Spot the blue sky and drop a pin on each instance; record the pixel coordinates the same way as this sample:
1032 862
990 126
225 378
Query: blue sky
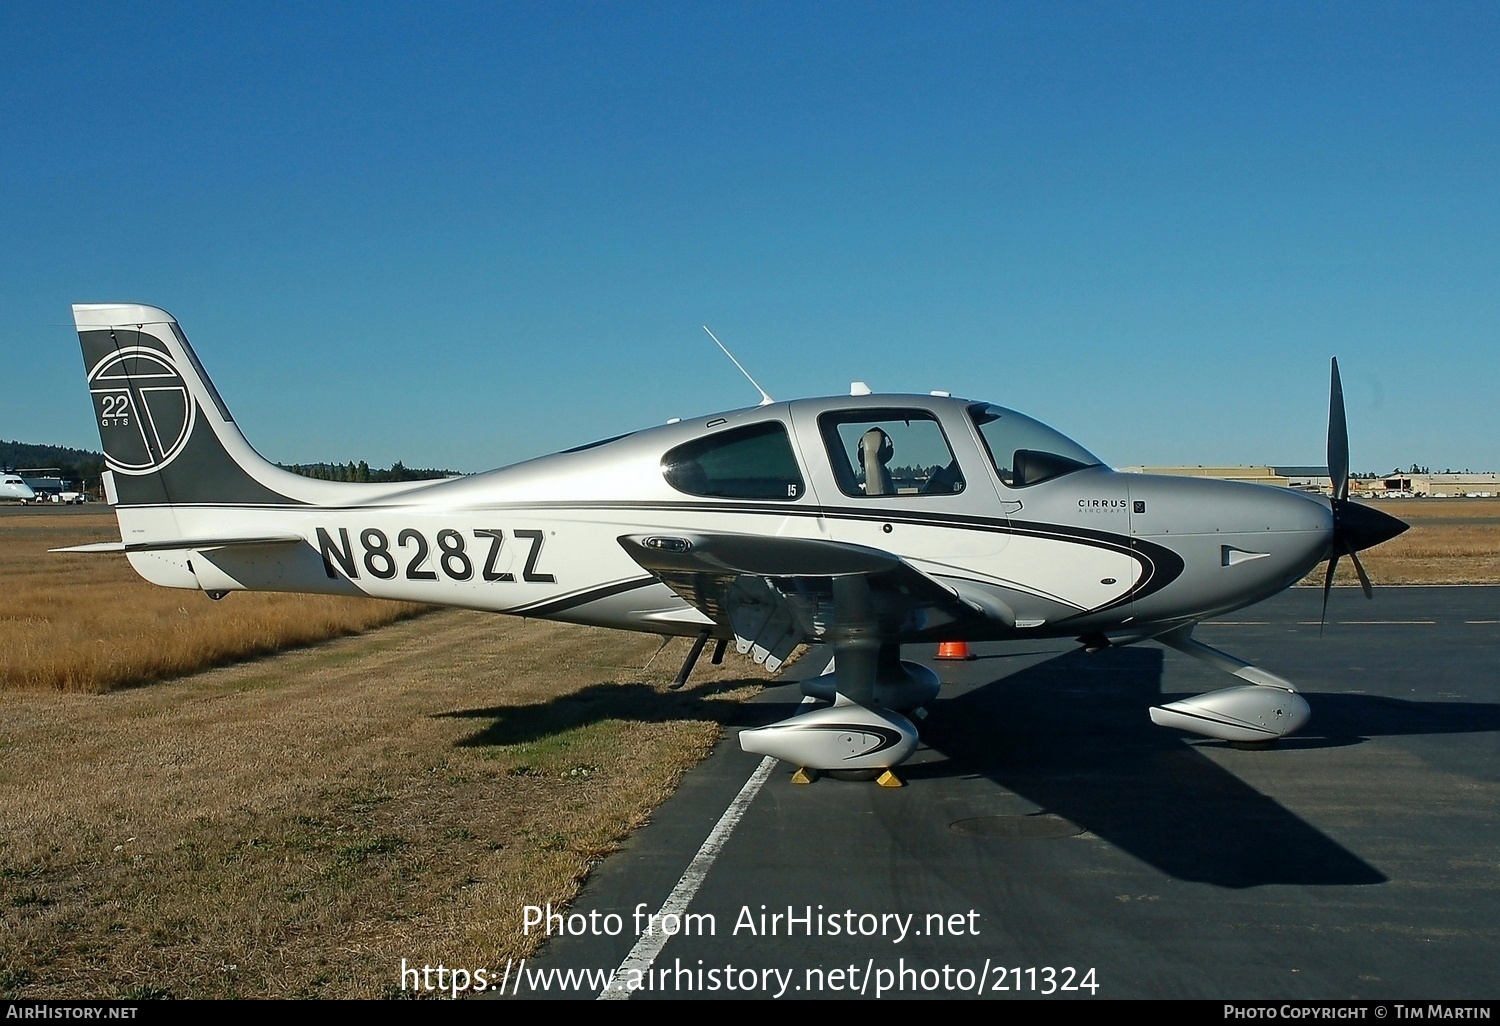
463 235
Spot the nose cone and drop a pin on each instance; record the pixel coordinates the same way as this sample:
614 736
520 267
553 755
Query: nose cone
1360 527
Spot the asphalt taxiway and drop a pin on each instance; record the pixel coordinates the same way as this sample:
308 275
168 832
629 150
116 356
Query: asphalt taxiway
1048 829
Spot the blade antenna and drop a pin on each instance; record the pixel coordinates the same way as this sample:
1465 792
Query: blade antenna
765 397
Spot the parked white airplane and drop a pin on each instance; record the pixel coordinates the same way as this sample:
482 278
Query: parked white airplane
13 486
861 522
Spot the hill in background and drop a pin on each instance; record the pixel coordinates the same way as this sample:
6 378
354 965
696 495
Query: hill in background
75 464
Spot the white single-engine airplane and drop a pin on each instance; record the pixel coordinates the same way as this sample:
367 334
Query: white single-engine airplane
862 522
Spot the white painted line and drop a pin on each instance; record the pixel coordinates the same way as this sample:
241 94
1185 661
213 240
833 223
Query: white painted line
1236 623
1369 623
649 944
1482 621
1383 587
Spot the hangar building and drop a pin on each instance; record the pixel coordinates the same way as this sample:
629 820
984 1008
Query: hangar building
1316 479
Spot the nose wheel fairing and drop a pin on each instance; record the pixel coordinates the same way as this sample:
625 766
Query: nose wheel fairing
1248 714
1263 710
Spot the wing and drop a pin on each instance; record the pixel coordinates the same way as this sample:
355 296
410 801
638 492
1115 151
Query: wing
776 593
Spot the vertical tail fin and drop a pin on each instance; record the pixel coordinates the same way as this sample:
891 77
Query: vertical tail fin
168 437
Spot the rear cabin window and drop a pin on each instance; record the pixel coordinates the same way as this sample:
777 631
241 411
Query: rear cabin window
754 462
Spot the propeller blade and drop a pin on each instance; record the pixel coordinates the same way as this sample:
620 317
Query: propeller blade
1333 562
1364 581
1355 527
1338 437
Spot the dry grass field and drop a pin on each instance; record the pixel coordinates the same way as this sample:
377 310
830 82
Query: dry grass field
1451 541
295 826
86 622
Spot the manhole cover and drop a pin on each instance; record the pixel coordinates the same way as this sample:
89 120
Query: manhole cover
1037 826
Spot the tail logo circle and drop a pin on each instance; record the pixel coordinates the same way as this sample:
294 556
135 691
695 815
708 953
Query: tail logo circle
145 409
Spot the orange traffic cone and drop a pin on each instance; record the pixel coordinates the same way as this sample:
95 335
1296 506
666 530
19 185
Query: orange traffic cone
954 650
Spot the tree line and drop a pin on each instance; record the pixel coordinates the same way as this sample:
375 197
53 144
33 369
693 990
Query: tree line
83 466
363 473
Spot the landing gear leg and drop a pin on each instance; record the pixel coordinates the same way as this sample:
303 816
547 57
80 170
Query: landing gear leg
692 659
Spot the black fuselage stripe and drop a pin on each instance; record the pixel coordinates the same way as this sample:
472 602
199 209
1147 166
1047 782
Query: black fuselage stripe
552 607
996 525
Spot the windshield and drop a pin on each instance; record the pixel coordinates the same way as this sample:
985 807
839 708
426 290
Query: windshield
1025 451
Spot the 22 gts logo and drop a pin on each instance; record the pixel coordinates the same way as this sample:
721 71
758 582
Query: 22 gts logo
383 561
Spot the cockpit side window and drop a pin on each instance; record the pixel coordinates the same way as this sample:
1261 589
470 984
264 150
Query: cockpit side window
1025 451
752 462
885 452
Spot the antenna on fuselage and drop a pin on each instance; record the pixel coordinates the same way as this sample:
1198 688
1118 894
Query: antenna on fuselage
765 397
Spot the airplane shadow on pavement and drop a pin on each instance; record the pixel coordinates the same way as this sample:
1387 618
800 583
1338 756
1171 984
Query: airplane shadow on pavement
1073 735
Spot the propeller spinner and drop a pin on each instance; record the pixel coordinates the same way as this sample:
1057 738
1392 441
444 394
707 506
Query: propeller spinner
1355 527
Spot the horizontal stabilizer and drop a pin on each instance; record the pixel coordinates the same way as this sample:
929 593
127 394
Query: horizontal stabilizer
182 543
